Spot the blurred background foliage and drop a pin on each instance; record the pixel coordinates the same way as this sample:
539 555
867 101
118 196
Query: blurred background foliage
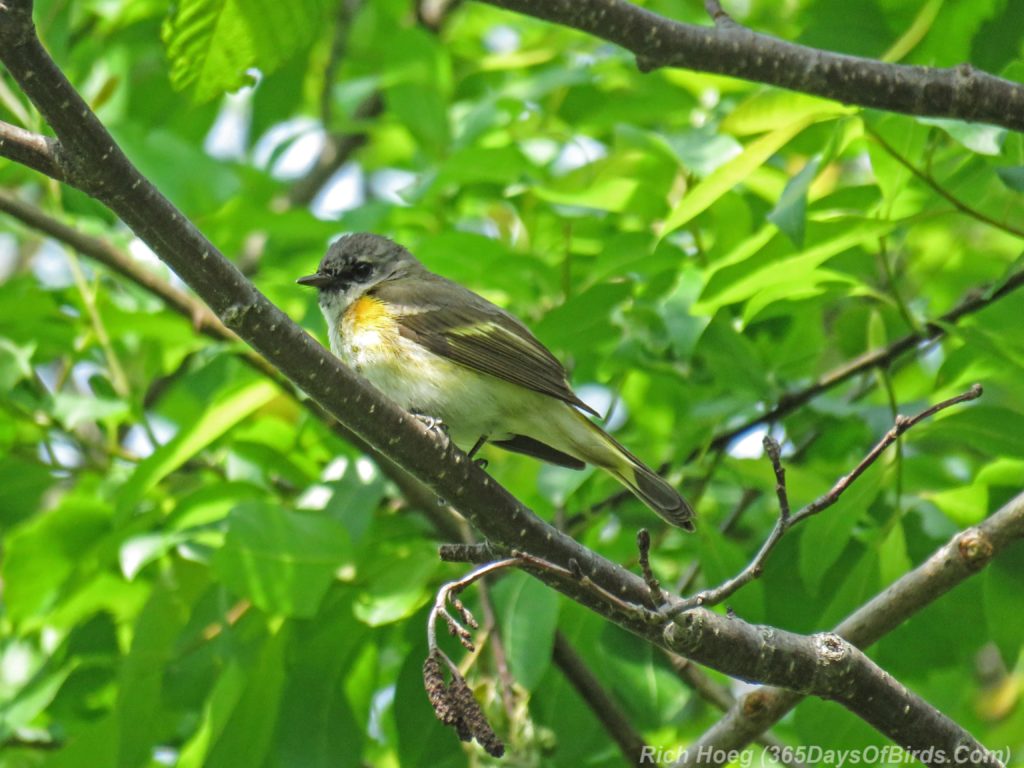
197 572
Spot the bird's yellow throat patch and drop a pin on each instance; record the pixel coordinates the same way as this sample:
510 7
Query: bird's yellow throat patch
368 314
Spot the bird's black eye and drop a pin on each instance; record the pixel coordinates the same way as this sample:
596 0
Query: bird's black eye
362 270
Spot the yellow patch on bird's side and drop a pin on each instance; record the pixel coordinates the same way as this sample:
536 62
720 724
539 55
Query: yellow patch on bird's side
367 313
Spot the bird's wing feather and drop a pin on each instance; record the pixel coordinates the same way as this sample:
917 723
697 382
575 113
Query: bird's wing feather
456 323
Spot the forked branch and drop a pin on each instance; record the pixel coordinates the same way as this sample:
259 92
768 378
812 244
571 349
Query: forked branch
786 520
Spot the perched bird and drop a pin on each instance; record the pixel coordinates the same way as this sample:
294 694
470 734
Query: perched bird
441 351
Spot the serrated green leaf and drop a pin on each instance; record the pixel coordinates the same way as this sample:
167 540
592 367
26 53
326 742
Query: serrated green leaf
212 44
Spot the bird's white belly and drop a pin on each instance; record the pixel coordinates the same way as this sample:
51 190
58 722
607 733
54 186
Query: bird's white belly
469 403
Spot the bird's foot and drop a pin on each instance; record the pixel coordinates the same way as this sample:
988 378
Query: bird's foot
433 423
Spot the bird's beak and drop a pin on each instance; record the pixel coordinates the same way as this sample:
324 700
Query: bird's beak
316 281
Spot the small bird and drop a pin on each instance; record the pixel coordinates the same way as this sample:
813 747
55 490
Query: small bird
443 352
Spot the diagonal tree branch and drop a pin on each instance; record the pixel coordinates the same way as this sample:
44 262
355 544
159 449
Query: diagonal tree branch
962 93
733 646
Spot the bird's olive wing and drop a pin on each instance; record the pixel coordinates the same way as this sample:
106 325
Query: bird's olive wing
457 324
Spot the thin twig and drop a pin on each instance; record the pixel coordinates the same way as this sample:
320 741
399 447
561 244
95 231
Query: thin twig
41 153
448 593
774 453
718 14
903 423
977 299
643 544
786 521
941 191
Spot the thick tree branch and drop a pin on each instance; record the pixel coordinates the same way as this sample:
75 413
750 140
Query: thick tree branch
962 93
724 643
964 555
829 667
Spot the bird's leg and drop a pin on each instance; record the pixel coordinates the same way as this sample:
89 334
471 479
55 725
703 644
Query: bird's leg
482 463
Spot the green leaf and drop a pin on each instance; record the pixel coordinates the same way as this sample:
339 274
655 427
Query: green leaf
1012 177
790 271
217 710
773 108
28 699
220 416
43 553
22 485
978 137
790 213
211 44
140 710
996 430
529 617
893 560
964 506
827 534
74 410
616 183
396 577
282 561
245 737
15 363
1003 585
853 589
728 175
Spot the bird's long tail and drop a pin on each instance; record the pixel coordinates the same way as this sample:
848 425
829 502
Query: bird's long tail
640 479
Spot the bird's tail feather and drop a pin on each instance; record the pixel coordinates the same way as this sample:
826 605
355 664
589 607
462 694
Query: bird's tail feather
642 481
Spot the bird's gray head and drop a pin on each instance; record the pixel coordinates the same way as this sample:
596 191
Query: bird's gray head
353 265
